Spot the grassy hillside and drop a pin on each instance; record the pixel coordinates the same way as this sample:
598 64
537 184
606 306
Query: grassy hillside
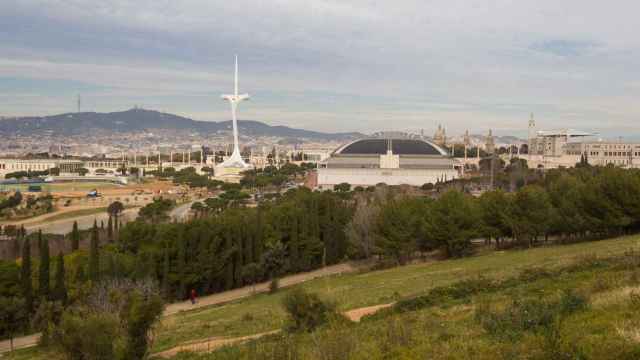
456 326
482 307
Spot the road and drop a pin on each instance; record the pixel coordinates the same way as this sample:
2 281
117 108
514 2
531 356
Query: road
215 299
64 226
181 212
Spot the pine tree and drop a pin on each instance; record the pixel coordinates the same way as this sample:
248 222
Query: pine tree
27 286
165 270
182 259
43 279
60 289
94 255
110 229
75 237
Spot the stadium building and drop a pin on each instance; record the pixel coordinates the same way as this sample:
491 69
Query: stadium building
393 161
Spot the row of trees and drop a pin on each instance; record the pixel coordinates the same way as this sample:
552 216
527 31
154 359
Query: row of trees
565 205
237 245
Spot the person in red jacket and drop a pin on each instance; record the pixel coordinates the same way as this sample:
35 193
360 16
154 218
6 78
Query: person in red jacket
193 296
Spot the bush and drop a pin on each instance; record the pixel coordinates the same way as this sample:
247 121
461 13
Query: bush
86 336
307 311
335 342
274 286
529 315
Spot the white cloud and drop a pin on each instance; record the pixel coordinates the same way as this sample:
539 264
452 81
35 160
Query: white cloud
343 65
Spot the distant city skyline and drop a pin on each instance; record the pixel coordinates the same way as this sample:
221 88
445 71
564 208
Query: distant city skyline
332 66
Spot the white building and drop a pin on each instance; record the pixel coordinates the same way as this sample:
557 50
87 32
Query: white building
17 165
566 147
393 161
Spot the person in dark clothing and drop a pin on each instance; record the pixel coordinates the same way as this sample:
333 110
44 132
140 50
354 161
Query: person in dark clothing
193 296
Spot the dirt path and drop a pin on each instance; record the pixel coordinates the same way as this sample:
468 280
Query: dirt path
210 344
357 314
240 293
215 343
215 299
44 217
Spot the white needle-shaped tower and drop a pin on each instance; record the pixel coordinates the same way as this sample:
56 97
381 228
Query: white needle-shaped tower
235 160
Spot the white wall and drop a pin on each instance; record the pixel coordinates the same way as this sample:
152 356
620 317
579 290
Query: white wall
328 177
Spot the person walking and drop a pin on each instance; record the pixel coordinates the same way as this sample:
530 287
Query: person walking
193 296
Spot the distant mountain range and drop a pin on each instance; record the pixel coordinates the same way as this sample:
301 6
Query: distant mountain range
138 120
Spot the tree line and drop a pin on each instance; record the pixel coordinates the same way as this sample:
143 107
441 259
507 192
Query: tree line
564 205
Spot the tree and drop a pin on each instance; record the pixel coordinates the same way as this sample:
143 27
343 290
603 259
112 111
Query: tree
112 322
115 209
110 228
452 223
60 287
398 228
342 187
94 254
43 278
9 279
12 317
251 273
495 214
142 311
531 213
25 276
197 208
82 171
360 230
75 237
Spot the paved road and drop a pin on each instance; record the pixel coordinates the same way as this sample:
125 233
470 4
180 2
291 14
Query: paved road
64 226
84 222
181 212
215 299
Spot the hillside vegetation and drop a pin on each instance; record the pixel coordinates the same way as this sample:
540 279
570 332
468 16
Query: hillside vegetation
568 302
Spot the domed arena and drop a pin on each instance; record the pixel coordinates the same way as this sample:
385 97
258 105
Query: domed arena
393 161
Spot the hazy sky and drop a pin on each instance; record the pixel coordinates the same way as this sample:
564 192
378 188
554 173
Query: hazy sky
332 65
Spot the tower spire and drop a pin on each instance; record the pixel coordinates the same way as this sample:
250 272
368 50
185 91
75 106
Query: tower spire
235 160
236 79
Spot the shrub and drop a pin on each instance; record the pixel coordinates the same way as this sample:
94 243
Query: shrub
274 285
335 342
534 274
634 300
529 315
86 336
571 302
307 311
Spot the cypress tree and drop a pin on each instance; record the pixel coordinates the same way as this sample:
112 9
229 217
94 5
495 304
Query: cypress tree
27 286
16 245
258 242
165 270
182 259
94 256
43 279
228 267
110 229
60 289
75 237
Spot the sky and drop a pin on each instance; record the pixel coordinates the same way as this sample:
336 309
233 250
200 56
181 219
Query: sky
332 65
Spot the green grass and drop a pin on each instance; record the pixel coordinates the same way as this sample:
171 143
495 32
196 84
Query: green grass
608 328
352 291
434 331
